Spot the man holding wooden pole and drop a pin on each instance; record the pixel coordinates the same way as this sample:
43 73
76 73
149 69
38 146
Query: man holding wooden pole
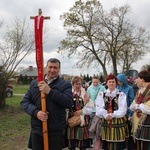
46 101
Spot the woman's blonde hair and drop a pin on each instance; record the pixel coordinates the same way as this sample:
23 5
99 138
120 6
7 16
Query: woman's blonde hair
76 79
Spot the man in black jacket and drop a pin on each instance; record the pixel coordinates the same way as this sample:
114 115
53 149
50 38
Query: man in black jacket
58 97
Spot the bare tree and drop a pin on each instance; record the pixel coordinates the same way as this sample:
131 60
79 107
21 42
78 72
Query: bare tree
81 38
146 67
98 37
17 43
127 42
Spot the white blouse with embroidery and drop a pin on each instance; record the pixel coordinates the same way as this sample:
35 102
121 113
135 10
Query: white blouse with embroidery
122 104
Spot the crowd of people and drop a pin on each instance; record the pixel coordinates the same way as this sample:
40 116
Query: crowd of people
113 115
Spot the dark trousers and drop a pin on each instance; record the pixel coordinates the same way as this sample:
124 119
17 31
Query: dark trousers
30 141
55 139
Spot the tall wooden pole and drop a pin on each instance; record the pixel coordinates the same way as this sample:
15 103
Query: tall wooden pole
38 26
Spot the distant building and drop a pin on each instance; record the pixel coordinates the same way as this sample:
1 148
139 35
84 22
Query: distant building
66 77
32 72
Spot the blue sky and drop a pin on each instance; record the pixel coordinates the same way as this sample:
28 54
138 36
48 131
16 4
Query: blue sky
26 8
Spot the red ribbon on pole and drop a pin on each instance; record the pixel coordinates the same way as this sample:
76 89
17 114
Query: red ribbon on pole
38 26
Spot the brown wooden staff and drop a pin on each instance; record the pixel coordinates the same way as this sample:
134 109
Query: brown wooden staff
38 26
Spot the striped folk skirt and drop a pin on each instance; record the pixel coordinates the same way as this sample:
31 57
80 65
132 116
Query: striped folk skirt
143 135
114 133
79 136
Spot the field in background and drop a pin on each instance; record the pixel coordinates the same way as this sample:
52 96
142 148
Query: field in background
14 122
20 89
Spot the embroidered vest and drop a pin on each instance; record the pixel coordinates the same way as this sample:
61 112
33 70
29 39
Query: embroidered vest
111 104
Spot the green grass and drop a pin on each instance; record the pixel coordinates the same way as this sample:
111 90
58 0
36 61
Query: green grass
14 101
14 123
20 89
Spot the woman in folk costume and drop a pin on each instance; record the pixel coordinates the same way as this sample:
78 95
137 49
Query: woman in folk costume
111 106
141 108
78 136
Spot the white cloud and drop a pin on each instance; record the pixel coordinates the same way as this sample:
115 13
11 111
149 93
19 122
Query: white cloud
26 8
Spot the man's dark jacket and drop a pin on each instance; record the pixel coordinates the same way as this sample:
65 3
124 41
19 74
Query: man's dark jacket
59 98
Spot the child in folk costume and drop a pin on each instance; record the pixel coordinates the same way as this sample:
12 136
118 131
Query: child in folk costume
141 116
111 106
78 136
